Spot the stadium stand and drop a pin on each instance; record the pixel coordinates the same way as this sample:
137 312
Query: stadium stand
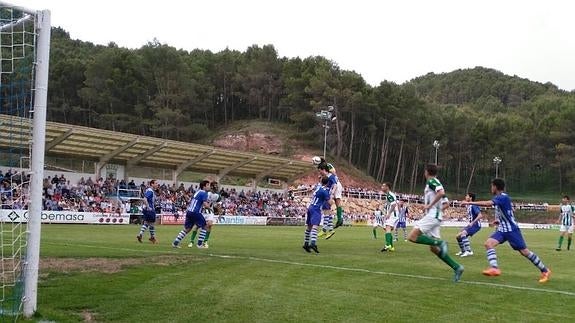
108 147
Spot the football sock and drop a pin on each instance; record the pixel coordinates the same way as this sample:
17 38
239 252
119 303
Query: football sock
339 213
388 239
460 243
395 234
324 228
492 258
202 237
423 239
466 244
569 243
152 230
560 242
404 234
375 233
330 223
193 236
313 237
448 260
207 236
536 261
306 236
180 237
143 228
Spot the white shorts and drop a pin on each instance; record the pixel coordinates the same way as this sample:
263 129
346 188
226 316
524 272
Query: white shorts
391 221
376 224
209 217
429 226
338 190
568 229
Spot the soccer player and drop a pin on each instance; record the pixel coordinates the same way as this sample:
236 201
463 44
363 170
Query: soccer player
336 191
391 218
566 219
507 230
194 215
427 229
474 214
149 212
208 213
402 214
328 229
377 221
320 196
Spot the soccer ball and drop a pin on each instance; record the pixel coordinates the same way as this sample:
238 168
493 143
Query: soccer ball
316 160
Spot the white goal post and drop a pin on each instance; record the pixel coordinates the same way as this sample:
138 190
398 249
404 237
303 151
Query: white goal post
36 25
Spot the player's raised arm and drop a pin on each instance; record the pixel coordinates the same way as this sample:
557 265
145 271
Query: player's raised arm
479 203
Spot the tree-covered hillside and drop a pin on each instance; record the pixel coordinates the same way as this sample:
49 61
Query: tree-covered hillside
386 130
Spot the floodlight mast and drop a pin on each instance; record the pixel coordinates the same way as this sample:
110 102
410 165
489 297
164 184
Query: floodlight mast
326 116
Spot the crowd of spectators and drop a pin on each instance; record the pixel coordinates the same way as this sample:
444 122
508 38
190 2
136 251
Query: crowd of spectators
119 196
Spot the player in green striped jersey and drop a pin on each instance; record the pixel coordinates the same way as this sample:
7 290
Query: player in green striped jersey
566 222
390 216
426 230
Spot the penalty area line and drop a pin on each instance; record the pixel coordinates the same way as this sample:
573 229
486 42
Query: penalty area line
362 270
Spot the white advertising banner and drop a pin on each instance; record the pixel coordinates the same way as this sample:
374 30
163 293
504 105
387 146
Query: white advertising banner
68 217
243 220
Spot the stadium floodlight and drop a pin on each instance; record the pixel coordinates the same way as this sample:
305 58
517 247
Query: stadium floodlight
326 116
25 43
436 145
497 160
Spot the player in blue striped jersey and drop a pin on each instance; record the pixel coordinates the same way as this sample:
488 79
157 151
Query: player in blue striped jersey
320 196
566 222
149 212
336 189
474 215
402 216
194 214
507 230
209 214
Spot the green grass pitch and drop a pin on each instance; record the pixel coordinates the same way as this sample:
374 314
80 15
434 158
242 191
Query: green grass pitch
261 274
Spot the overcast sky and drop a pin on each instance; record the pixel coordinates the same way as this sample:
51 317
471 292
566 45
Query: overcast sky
382 40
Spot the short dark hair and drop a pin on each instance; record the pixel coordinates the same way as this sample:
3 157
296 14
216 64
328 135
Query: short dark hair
323 166
566 197
388 184
431 169
472 196
499 184
203 184
152 182
324 180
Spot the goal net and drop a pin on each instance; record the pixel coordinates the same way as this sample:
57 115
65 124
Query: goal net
24 50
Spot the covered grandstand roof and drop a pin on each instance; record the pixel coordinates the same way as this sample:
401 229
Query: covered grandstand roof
106 146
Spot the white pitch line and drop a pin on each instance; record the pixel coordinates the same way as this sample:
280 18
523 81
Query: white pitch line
361 270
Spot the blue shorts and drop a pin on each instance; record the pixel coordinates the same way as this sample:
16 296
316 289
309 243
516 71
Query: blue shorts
194 218
514 237
313 217
472 229
149 216
400 225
